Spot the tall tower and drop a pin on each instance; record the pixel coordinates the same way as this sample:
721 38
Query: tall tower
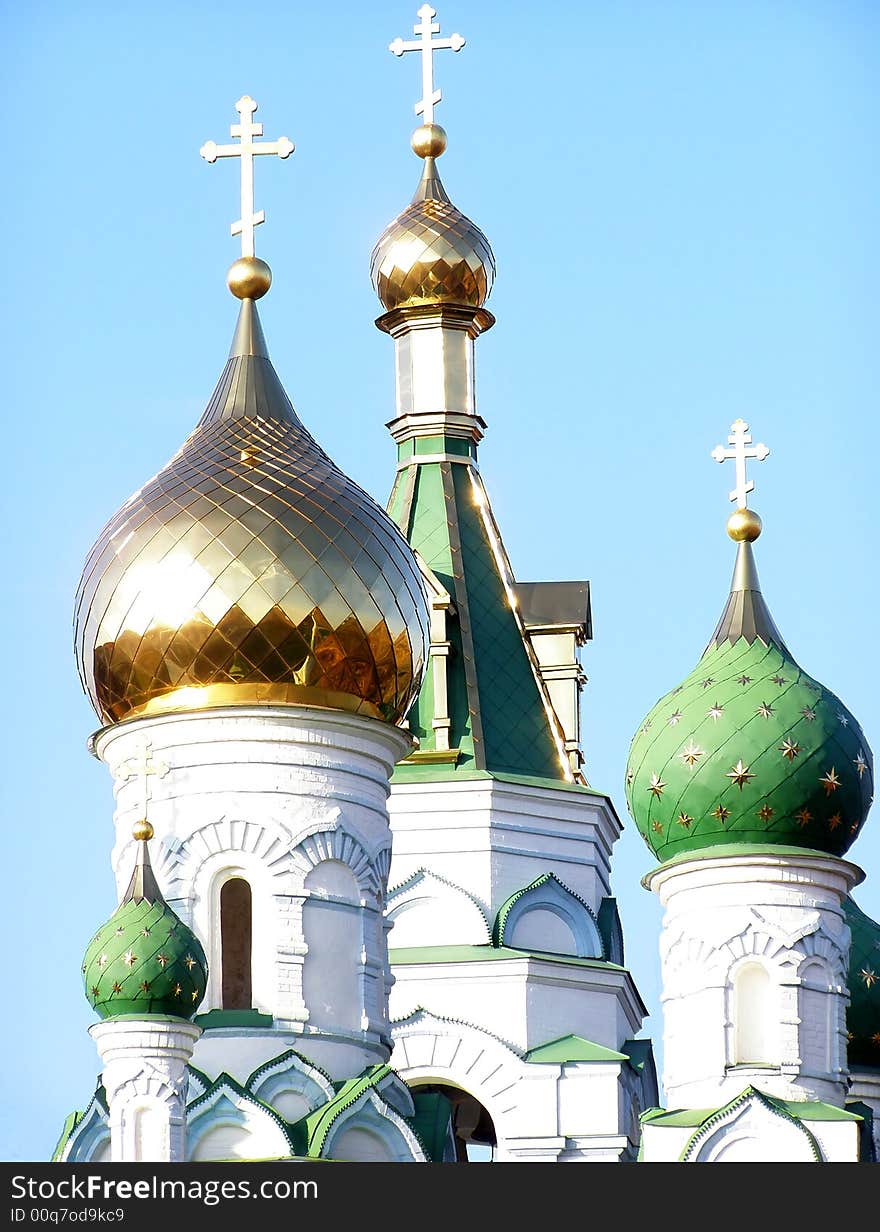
750 781
251 630
510 992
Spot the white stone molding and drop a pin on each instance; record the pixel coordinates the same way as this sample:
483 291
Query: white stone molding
752 1130
547 916
429 910
291 1085
145 1077
227 1122
371 1131
781 913
334 839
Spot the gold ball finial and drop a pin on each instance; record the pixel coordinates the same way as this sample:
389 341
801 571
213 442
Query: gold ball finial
429 141
249 278
744 525
142 830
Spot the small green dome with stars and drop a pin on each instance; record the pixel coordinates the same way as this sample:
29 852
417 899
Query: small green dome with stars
748 750
863 1014
144 960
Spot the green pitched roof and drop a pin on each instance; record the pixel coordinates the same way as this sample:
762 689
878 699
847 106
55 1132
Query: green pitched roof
572 1048
498 713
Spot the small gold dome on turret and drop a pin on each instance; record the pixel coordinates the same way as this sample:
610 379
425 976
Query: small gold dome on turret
432 253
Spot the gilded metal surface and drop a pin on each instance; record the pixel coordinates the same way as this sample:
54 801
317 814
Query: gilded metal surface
250 570
428 141
432 253
744 526
249 278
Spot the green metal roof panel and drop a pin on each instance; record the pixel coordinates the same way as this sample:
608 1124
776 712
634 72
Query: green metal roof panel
409 955
499 720
572 1048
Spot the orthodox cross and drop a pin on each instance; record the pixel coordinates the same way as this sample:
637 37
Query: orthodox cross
427 45
144 766
246 151
741 440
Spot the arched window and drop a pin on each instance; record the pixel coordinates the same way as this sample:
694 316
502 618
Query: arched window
754 1016
236 928
473 1131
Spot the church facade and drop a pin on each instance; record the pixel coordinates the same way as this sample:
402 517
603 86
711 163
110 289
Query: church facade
365 894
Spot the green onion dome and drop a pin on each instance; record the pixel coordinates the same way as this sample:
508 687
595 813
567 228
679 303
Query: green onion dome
144 960
748 750
863 1015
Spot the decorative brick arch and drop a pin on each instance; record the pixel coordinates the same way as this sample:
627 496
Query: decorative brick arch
429 1048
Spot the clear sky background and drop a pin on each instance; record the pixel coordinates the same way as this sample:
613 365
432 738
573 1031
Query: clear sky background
683 202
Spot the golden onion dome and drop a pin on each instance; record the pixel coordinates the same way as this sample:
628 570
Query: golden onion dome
250 569
432 253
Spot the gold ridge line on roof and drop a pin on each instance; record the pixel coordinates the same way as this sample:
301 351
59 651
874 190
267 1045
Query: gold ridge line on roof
250 569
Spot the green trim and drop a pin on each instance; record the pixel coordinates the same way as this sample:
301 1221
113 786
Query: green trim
70 1123
777 1106
286 1055
639 1052
410 955
806 1110
506 907
233 1018
224 1080
319 1123
430 1122
570 1048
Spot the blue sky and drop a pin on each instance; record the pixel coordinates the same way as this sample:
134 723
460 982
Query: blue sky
682 199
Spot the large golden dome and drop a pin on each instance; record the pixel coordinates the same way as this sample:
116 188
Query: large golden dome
250 570
432 253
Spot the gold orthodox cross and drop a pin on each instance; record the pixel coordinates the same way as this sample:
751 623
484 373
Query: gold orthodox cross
741 440
427 45
246 150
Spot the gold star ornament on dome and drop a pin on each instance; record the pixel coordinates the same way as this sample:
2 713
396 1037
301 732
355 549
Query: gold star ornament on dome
743 680
740 774
684 819
675 718
869 976
835 821
804 817
721 813
860 764
657 827
830 781
691 755
765 812
789 748
656 785
765 711
715 711
129 958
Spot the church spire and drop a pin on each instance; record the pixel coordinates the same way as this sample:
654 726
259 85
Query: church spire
485 706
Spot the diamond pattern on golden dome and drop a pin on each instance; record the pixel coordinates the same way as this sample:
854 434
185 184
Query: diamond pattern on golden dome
432 253
250 570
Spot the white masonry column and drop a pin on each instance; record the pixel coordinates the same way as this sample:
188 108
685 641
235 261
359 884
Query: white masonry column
146 1079
292 800
754 956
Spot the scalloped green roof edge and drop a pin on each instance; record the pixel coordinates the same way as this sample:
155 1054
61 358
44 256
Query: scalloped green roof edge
283 1056
74 1119
572 1048
689 1118
226 1080
506 907
778 1106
